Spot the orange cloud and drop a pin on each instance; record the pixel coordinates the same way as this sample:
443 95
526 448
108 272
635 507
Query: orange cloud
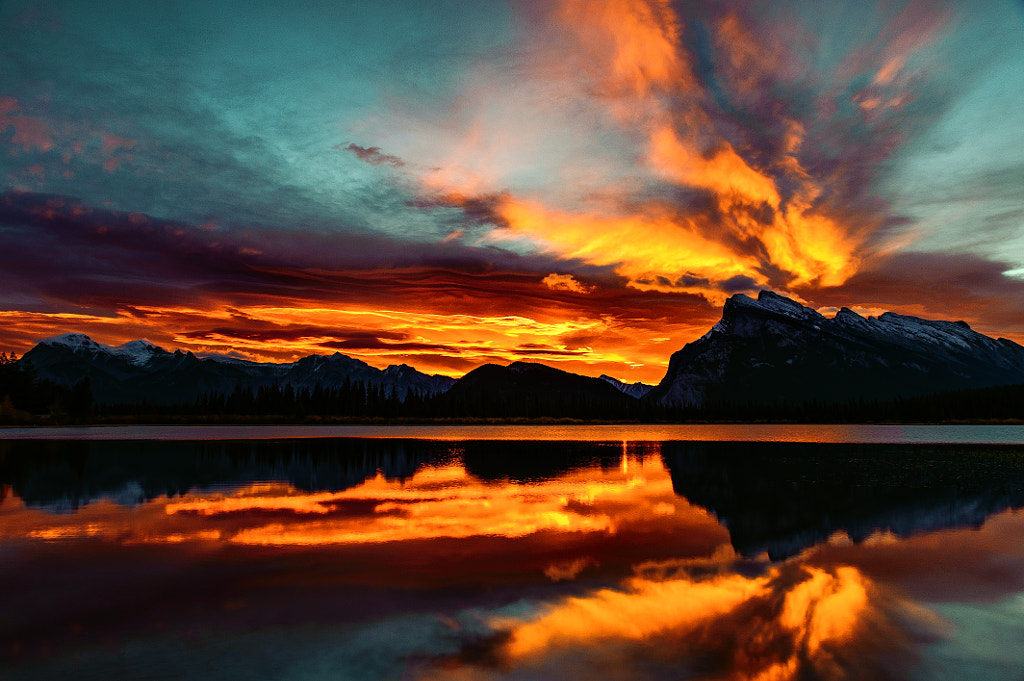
688 195
635 45
565 282
642 247
724 173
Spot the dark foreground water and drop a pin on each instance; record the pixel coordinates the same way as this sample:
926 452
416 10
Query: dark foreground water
472 559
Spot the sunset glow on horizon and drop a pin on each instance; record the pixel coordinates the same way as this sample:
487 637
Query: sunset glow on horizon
446 185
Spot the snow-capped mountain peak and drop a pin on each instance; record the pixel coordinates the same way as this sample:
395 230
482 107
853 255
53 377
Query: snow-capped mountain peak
75 342
136 352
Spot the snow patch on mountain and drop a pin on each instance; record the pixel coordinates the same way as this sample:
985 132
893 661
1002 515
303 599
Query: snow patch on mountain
636 390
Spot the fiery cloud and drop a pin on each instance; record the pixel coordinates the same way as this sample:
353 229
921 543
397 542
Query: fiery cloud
565 282
767 202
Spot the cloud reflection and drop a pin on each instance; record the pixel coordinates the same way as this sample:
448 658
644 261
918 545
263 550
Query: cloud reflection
787 621
445 502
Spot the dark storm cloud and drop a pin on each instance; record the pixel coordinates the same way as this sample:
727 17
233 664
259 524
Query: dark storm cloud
370 343
529 349
373 155
737 284
264 332
474 210
937 286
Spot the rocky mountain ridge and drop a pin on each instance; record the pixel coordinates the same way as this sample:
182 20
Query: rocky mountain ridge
773 349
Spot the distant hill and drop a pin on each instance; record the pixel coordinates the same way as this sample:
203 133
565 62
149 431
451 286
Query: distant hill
140 371
526 389
773 350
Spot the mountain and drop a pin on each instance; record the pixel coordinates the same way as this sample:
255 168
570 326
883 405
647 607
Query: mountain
774 350
636 390
140 371
527 389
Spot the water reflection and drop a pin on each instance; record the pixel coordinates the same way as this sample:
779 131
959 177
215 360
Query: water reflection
483 560
783 497
790 622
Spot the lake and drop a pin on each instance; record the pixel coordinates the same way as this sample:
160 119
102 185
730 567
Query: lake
608 552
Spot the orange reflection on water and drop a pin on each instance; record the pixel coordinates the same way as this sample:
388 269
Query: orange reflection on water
647 608
448 502
786 623
826 606
436 502
264 496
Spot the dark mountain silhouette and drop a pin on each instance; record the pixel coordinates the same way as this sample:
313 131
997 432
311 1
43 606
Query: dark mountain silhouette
774 350
526 389
140 371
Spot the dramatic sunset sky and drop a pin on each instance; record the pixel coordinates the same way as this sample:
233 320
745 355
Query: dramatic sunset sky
448 183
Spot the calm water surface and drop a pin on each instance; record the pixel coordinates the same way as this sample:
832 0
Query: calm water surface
290 557
972 434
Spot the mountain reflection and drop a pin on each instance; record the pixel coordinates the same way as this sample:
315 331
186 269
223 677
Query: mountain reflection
64 475
783 497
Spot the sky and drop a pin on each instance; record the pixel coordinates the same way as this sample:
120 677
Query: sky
443 184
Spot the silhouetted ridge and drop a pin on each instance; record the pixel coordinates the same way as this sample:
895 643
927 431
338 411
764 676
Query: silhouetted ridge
526 389
774 350
139 371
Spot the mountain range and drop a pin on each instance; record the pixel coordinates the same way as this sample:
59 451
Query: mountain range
140 371
768 350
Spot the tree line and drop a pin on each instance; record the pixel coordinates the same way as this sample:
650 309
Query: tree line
24 397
